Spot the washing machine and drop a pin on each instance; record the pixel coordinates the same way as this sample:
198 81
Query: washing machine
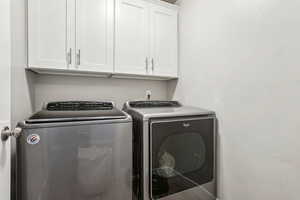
75 150
174 151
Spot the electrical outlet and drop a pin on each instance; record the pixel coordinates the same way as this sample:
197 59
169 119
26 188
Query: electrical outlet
148 94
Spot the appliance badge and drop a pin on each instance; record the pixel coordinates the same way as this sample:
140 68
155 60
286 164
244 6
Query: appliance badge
33 139
186 125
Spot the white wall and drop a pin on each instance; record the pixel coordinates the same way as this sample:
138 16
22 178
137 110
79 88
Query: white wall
4 96
242 59
5 52
53 88
22 81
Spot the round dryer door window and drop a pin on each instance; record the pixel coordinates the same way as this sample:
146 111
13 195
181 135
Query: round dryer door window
180 154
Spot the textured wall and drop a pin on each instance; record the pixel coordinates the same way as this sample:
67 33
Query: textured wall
52 88
241 58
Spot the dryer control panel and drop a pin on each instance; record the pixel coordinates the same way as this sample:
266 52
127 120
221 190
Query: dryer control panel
154 104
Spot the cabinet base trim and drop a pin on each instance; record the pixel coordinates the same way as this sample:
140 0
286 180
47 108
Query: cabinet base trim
71 72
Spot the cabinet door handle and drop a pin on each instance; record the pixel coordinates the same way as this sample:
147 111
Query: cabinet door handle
78 57
152 63
69 56
147 63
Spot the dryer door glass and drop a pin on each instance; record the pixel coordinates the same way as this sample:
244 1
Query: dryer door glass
182 155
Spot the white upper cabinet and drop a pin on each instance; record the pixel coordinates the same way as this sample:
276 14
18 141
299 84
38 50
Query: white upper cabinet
103 37
146 39
47 33
132 37
164 41
94 35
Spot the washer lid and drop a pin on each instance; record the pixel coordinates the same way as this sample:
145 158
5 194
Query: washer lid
165 110
76 111
79 105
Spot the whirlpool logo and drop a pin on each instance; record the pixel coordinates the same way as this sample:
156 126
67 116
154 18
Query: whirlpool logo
33 139
186 125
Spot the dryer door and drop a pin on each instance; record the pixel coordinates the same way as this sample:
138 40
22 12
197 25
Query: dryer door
182 154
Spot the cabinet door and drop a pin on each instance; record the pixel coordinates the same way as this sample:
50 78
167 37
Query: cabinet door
164 41
94 35
132 36
5 102
47 34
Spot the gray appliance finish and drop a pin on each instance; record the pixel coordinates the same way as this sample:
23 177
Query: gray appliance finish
174 151
83 154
